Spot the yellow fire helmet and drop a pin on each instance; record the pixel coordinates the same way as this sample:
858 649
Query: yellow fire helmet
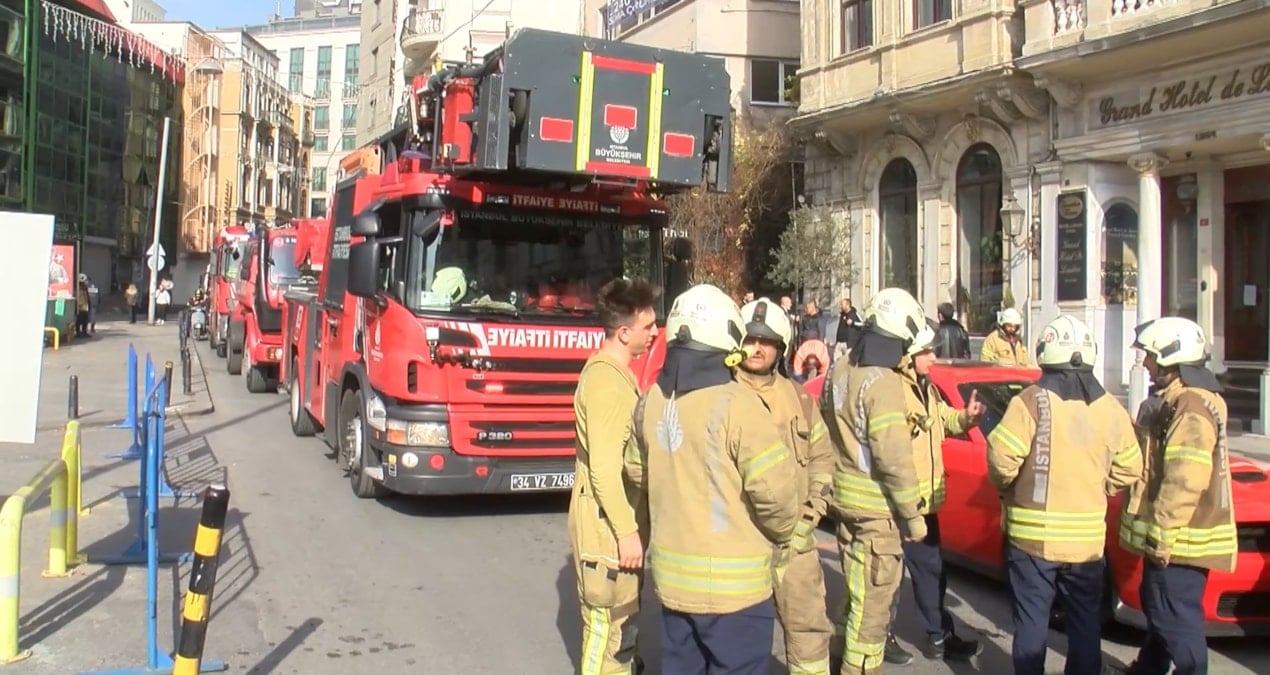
765 320
450 282
1066 341
705 318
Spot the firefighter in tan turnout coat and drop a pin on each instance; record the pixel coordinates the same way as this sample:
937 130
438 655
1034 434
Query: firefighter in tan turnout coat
1063 446
879 495
605 513
723 492
1180 519
800 594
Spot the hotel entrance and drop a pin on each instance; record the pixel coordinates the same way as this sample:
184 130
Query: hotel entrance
1247 274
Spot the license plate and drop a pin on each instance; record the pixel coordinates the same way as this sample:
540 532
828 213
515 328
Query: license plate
542 481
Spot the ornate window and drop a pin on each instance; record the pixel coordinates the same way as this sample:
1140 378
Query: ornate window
979 269
897 206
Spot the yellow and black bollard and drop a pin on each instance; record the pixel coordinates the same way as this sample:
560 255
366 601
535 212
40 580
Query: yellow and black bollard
194 616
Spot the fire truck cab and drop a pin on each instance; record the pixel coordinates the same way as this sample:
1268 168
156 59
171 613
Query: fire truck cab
254 339
227 255
441 348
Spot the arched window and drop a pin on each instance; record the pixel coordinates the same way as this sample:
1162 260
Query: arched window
897 204
979 216
1120 258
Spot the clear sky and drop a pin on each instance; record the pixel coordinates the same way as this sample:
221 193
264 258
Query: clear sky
211 14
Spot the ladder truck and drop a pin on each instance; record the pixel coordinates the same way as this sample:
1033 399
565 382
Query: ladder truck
440 350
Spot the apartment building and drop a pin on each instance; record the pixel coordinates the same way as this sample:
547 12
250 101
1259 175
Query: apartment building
320 58
263 165
759 41
128 13
404 39
1103 158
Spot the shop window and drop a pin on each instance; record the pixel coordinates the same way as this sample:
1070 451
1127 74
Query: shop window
897 204
1120 257
980 285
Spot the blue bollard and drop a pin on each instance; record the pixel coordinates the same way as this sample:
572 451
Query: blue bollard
156 661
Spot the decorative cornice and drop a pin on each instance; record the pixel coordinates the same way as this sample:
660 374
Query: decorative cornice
1147 163
1028 101
1001 110
844 145
1065 92
919 127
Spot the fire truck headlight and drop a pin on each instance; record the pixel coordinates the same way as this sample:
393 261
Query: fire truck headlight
418 434
376 415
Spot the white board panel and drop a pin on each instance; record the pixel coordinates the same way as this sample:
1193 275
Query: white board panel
26 244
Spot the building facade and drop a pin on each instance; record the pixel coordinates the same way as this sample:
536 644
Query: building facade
129 13
403 39
91 151
1102 158
263 163
759 41
320 58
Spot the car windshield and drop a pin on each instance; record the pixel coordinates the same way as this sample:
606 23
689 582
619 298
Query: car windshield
229 262
531 264
995 396
282 267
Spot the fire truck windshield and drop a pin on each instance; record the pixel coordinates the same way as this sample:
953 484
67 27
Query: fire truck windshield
229 262
282 267
540 266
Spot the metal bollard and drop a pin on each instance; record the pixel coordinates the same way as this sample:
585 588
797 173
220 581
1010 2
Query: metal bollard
187 378
167 390
72 399
197 608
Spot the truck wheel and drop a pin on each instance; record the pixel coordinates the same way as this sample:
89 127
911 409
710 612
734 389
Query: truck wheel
302 423
257 380
353 448
234 355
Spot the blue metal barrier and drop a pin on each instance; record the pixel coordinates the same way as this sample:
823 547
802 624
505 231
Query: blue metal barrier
130 422
139 431
156 662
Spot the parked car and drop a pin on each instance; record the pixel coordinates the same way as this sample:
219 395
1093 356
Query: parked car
1236 603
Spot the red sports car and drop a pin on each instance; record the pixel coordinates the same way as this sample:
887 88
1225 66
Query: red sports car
1237 603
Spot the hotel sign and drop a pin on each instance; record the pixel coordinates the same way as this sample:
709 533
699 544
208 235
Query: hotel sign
1181 95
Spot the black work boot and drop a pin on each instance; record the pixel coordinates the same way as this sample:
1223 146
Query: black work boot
952 648
895 654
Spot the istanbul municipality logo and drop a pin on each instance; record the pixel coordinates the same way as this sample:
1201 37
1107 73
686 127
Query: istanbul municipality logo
619 135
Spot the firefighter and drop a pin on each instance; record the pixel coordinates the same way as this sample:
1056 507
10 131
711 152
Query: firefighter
1063 446
800 594
1004 344
1180 518
604 512
877 494
723 495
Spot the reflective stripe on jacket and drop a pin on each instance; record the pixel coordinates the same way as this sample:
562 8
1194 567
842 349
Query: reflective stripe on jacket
804 432
1182 513
865 409
1055 462
929 420
722 493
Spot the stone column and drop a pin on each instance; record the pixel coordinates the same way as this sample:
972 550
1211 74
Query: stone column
932 248
1148 165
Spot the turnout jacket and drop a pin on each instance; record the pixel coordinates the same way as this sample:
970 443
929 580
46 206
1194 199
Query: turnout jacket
723 496
805 433
1182 513
865 409
1055 462
997 349
929 419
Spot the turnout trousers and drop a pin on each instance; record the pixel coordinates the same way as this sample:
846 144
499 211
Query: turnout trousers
872 567
1172 600
610 612
1034 583
800 606
739 643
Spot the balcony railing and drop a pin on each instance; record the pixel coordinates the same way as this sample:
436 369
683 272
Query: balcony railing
1127 7
421 32
1070 15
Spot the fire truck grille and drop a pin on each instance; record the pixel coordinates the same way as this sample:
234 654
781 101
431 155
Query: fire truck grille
523 435
1244 606
517 365
524 388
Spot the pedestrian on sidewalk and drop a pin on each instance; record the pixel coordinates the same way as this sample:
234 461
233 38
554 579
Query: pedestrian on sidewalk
94 301
132 298
81 307
162 299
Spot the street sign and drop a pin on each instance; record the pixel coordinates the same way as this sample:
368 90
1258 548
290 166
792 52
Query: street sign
150 263
150 251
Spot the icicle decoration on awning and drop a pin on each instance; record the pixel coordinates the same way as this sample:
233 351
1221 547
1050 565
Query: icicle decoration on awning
93 34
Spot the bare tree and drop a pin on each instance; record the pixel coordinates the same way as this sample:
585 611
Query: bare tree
815 252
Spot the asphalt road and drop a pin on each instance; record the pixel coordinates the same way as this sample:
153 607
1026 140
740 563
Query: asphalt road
315 581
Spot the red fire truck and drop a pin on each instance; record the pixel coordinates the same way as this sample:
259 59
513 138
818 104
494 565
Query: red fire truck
227 252
441 348
270 267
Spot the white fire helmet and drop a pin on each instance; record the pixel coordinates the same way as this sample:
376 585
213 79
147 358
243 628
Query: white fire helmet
766 320
1009 317
1173 340
894 312
704 317
1066 341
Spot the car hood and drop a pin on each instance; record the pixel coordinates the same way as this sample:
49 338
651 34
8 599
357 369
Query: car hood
1250 488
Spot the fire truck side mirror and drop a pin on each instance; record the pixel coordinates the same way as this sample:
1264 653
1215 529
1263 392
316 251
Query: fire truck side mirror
366 224
363 269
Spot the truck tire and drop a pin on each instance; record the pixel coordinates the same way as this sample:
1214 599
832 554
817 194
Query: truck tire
302 423
257 380
354 450
234 354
